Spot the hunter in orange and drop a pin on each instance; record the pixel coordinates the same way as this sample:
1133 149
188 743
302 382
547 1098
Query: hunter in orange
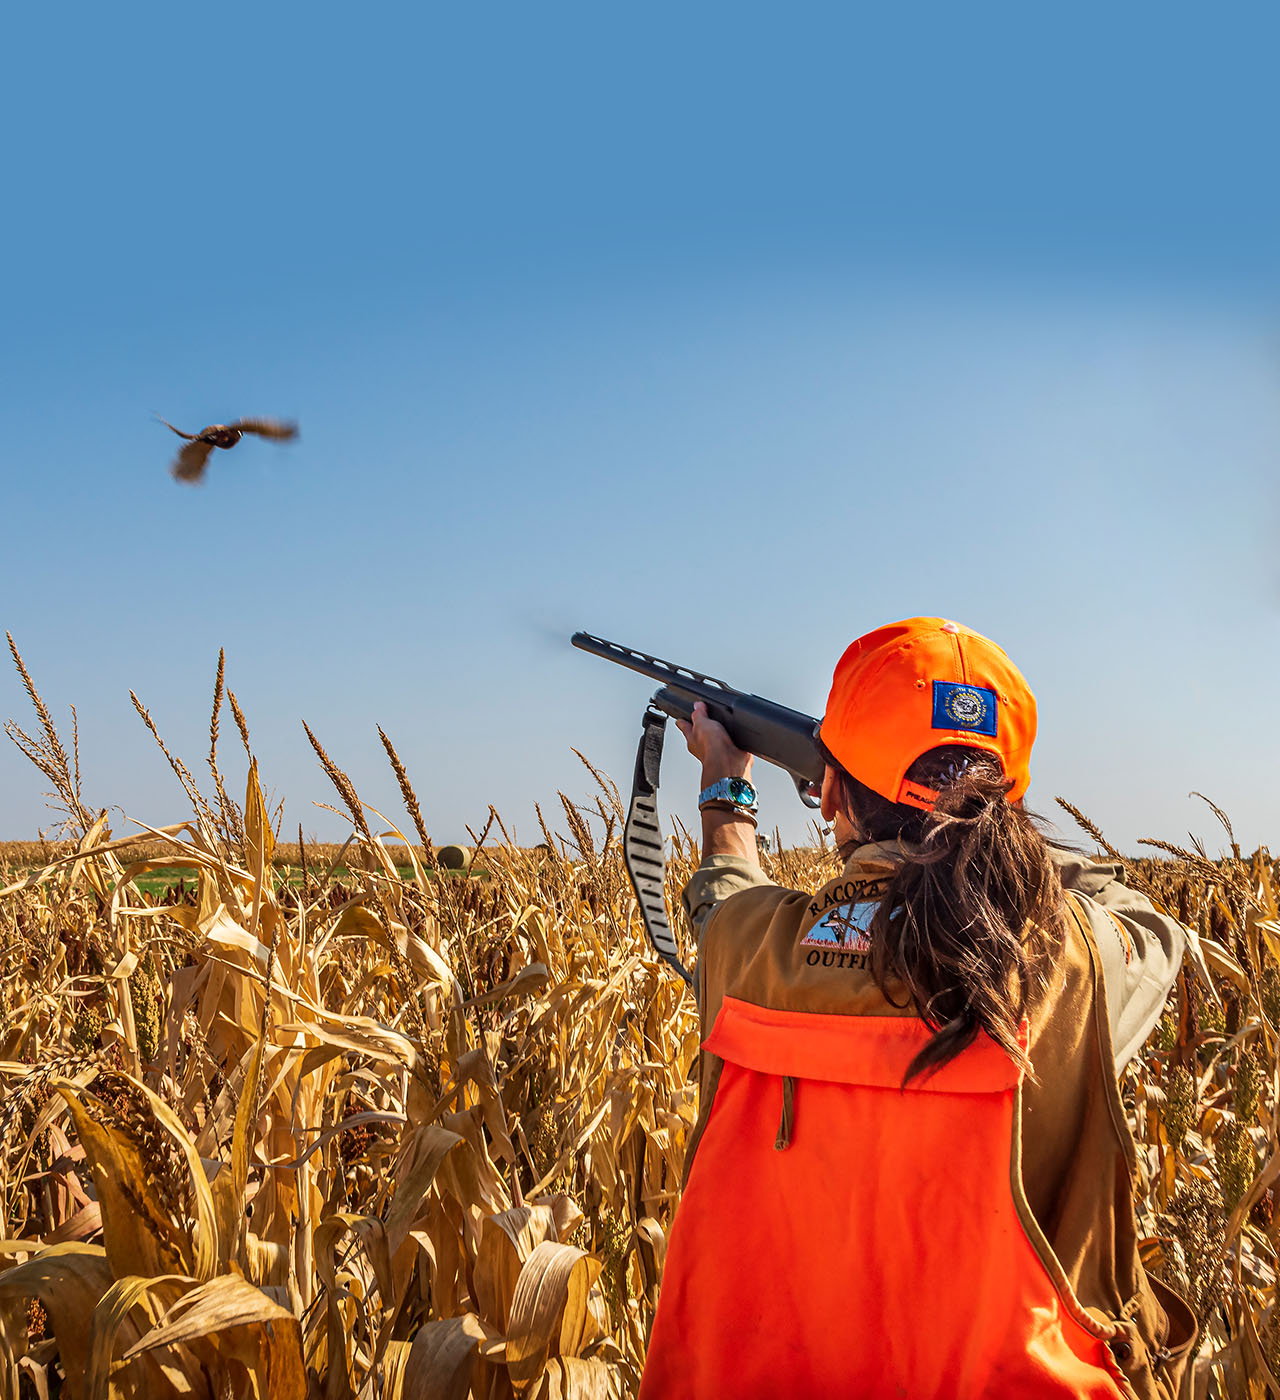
910 1170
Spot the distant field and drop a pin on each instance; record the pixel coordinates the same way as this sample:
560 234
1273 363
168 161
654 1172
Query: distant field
17 857
27 855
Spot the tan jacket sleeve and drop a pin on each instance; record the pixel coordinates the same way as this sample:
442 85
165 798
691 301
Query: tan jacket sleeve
1141 948
712 883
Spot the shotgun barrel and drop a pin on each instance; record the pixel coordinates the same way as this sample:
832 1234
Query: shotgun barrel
773 732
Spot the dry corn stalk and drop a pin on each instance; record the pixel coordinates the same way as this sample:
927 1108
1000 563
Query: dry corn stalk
375 1131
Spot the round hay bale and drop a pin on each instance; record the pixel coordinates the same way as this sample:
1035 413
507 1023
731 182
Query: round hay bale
454 857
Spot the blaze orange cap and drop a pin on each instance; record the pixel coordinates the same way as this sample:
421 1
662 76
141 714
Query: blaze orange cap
912 686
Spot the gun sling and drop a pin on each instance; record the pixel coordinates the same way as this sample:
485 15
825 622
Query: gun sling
643 851
771 731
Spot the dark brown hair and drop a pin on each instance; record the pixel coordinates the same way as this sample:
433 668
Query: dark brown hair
960 926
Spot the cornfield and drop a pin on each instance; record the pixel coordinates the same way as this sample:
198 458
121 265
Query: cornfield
360 1125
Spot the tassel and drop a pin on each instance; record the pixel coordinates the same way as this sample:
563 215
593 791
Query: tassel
783 1140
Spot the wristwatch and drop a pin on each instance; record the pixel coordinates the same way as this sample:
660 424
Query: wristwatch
736 792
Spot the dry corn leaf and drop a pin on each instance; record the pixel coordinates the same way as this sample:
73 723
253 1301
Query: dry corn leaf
571 1378
581 1138
239 1323
506 1242
1223 964
445 1359
69 1279
198 1248
430 1145
228 1187
259 842
565 1211
111 1320
359 1036
356 1120
471 1176
425 960
266 1261
372 1236
475 1067
1258 1355
141 1237
395 1360
36 1375
650 1246
530 979
224 932
549 1314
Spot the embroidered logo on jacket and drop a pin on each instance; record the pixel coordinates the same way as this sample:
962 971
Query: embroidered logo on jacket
847 892
844 927
969 707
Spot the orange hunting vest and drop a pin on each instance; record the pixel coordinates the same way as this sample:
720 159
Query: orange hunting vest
840 1236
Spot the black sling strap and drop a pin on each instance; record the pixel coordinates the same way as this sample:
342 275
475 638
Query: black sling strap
642 848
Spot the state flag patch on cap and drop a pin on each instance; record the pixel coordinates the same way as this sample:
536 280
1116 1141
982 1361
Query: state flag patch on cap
968 707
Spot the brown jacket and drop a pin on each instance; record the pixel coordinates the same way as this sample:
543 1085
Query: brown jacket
1074 1167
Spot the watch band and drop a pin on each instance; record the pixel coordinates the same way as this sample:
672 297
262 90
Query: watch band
737 792
730 809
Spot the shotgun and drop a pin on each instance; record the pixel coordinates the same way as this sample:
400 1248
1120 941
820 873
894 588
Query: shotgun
772 732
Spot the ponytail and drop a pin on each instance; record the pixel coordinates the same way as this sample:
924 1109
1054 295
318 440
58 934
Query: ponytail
955 929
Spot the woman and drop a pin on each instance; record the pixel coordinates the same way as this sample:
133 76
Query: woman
911 1172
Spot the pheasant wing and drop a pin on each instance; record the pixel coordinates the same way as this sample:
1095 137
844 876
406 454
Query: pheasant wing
189 464
267 428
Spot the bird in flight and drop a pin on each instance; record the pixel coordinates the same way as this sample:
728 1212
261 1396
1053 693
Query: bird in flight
191 460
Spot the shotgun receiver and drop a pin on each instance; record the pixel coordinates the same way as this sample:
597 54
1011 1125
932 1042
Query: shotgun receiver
762 727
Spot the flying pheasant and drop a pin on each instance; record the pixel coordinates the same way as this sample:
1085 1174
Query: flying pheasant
190 462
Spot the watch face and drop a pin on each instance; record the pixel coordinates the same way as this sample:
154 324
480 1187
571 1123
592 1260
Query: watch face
741 792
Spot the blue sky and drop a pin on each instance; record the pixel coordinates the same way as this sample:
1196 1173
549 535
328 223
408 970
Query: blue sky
730 332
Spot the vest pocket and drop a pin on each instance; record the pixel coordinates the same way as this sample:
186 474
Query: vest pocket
1170 1362
1152 1344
